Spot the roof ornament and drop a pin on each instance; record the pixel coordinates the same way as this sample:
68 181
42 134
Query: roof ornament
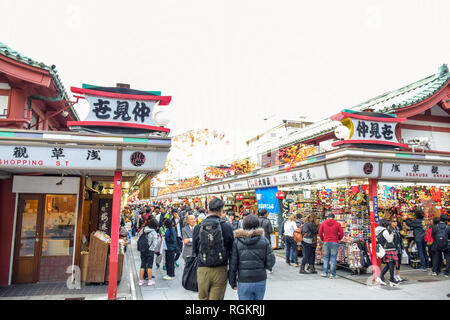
443 70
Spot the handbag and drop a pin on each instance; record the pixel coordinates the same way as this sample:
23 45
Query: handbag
380 251
189 279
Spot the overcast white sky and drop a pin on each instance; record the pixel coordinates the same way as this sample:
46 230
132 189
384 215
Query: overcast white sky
229 64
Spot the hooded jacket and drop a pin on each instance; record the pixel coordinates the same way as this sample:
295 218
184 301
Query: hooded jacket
388 244
331 231
251 256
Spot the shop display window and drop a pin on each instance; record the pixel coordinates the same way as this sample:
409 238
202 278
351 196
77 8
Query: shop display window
59 225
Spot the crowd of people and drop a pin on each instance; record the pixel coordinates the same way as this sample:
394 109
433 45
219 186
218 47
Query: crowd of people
240 252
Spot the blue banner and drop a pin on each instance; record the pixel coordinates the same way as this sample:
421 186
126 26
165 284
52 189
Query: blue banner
375 208
266 199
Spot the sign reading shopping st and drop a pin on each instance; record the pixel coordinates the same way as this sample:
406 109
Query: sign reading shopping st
368 129
122 110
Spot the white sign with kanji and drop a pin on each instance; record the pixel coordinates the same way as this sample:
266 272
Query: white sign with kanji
415 171
374 131
120 110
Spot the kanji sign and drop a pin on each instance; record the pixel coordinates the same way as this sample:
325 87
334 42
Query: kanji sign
415 171
369 128
61 157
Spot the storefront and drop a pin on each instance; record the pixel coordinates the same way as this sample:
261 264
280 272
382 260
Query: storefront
55 205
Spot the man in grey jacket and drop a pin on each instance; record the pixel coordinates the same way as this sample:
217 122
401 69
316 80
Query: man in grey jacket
188 231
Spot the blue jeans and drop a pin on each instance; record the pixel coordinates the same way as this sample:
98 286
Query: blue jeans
330 251
422 250
251 290
291 250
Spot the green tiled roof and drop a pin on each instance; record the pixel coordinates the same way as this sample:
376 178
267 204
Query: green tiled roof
385 103
13 54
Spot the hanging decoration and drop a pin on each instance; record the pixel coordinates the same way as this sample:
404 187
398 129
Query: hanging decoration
296 153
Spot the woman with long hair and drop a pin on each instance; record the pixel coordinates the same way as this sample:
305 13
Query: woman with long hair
309 243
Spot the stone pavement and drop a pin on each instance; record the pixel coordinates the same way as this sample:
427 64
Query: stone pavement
59 290
287 284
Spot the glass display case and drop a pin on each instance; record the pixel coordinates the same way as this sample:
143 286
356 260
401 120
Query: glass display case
59 225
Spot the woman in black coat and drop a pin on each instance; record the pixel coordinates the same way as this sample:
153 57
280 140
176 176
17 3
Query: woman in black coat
251 256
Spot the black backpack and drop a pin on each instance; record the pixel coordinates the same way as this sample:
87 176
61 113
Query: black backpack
212 251
441 237
142 243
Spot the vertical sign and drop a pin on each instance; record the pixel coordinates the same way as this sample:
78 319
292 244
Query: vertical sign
375 208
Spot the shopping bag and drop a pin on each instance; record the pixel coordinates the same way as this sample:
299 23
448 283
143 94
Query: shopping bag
158 245
189 279
405 258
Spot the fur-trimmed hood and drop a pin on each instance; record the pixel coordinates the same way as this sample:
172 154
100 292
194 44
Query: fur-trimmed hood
241 233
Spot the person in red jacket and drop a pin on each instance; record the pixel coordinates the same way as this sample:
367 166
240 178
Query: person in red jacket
330 232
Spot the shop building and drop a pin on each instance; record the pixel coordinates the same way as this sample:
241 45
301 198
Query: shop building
393 142
58 186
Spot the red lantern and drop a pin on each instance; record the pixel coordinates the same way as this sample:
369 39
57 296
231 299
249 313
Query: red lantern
280 195
196 200
185 200
239 197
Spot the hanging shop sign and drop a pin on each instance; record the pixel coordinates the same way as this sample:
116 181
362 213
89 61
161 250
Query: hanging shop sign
240 185
142 160
354 169
266 199
415 171
368 129
293 177
57 157
121 110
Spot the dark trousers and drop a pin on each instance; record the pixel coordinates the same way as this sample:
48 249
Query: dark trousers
179 248
437 261
389 266
170 263
291 245
307 254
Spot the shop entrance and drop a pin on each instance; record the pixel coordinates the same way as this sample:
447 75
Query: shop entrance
44 242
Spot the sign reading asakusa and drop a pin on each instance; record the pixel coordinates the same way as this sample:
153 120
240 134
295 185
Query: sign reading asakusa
55 157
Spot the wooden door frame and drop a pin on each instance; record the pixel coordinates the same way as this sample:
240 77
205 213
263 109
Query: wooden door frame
18 234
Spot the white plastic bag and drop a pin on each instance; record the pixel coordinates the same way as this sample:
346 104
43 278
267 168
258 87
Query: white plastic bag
405 258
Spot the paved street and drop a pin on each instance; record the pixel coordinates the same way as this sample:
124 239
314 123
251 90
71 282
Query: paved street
287 284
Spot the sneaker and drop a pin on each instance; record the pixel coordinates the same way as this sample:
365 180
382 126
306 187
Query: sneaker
434 274
446 275
168 278
425 270
394 283
379 281
333 277
141 282
324 275
271 271
151 283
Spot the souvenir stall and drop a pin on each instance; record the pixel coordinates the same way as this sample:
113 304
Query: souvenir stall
351 209
399 200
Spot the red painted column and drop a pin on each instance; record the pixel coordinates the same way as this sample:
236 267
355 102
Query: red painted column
114 249
373 190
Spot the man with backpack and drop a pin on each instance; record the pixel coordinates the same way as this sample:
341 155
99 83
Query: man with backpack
212 242
440 246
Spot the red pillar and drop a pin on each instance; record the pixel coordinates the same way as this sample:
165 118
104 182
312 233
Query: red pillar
115 222
376 264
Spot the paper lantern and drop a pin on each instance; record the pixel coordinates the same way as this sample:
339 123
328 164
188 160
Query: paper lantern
239 197
185 200
196 200
280 195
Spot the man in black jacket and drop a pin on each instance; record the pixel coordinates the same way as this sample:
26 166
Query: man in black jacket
418 227
437 253
266 225
212 280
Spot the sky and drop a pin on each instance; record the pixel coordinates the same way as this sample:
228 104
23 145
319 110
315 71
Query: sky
230 64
